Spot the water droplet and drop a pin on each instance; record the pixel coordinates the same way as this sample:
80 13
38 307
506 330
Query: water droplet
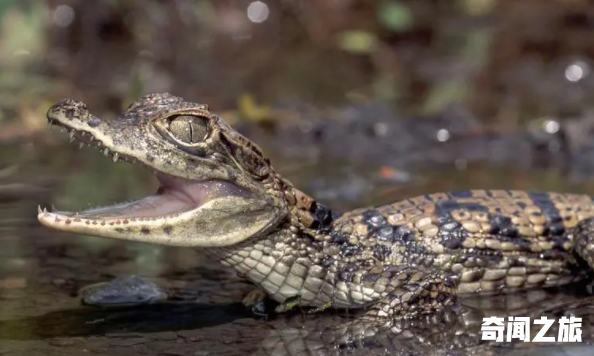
63 15
258 12
577 71
443 135
551 126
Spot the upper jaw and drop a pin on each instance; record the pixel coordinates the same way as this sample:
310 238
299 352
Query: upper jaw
73 118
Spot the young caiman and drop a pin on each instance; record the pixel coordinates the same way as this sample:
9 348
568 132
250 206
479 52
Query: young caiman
219 192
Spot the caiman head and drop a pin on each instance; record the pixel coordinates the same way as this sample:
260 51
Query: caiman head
216 188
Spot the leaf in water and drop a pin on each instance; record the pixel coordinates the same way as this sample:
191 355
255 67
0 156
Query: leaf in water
395 16
359 42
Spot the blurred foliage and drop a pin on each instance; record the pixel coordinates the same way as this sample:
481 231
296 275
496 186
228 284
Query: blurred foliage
422 56
395 16
504 62
357 42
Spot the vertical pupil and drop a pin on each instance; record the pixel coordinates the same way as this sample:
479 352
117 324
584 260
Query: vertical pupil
188 129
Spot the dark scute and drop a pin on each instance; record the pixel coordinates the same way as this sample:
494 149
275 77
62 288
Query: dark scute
189 129
338 237
461 194
349 250
322 215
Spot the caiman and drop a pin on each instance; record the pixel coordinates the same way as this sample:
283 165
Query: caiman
218 192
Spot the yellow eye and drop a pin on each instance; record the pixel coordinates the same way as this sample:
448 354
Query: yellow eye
188 129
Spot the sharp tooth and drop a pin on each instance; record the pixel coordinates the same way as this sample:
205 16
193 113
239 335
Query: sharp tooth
81 145
106 151
44 209
115 157
72 133
71 139
38 209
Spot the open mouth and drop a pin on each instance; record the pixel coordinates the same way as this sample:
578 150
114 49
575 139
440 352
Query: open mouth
174 196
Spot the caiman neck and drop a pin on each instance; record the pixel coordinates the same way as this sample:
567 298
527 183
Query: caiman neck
307 224
282 260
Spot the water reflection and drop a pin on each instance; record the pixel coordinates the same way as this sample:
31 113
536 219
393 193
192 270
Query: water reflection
188 328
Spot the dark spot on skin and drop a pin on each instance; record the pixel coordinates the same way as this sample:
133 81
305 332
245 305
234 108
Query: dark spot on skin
404 234
557 229
69 113
322 216
414 300
554 219
93 122
516 262
492 259
167 229
444 207
452 233
373 218
452 241
474 207
451 226
338 238
443 219
461 194
552 255
351 250
119 229
145 230
522 244
327 261
381 252
386 234
441 298
150 158
347 272
510 231
448 282
502 225
318 245
546 205
377 221
371 277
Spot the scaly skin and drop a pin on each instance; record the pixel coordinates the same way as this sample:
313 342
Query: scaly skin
399 260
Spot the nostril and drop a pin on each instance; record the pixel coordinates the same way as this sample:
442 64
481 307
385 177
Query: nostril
93 121
68 108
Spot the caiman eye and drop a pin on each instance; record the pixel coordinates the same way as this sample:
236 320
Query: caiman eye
188 129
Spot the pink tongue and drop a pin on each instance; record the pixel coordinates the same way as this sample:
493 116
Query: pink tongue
175 195
196 193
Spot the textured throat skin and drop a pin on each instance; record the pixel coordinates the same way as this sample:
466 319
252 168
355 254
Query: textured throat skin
403 259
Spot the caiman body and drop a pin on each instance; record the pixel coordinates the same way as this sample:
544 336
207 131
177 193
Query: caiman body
218 192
